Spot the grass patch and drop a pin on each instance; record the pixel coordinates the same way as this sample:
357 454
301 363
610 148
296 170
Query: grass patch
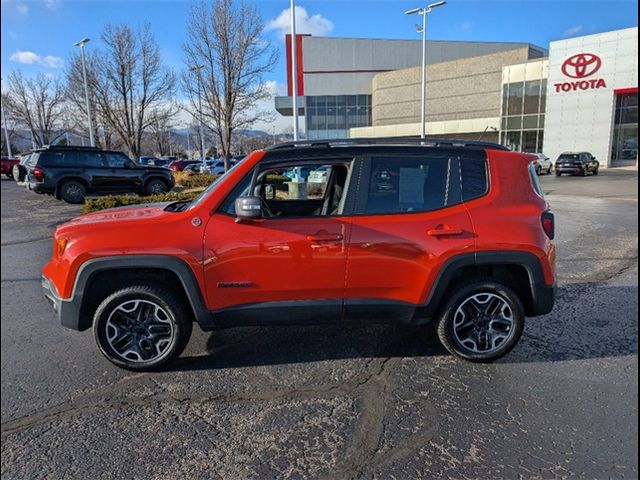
192 180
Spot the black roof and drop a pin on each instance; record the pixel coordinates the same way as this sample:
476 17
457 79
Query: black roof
393 141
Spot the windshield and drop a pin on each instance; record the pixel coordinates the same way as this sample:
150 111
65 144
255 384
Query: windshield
208 190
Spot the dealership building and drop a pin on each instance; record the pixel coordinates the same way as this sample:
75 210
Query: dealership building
579 95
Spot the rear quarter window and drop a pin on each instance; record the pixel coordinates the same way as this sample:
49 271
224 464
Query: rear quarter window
57 159
474 178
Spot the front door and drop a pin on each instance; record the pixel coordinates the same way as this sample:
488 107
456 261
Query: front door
289 266
409 219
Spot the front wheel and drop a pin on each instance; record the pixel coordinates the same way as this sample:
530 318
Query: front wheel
558 174
482 321
142 327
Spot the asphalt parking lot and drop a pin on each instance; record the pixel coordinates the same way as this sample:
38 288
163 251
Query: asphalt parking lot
340 401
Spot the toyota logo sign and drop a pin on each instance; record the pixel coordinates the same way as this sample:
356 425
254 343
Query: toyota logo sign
581 65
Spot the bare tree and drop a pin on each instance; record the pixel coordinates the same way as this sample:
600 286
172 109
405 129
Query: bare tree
37 105
160 131
227 55
129 85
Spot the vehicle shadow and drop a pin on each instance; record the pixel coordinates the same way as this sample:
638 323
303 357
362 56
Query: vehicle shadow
590 320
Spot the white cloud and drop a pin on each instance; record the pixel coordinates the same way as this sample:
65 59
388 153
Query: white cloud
305 23
466 25
572 31
22 9
30 58
51 4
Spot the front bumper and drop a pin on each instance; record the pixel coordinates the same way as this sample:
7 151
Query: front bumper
68 311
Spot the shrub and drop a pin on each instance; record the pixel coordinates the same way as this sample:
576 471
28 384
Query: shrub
194 180
113 201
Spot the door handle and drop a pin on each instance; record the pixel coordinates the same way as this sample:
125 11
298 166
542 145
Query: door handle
444 232
325 237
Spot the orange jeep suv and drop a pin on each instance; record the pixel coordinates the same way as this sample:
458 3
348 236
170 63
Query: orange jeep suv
376 230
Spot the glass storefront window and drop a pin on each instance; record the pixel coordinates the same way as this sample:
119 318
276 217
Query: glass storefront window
332 115
516 93
624 149
532 97
529 140
512 140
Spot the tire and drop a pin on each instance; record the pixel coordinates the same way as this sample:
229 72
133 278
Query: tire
127 341
72 191
558 174
538 170
549 170
155 187
9 175
476 339
596 171
17 173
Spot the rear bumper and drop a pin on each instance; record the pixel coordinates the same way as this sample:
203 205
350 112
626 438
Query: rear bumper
570 169
68 311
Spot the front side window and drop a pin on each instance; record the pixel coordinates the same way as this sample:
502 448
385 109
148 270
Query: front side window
116 160
303 190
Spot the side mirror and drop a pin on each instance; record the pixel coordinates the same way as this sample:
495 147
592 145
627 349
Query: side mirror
248 208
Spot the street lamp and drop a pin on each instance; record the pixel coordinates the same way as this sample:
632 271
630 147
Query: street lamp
424 12
294 71
81 44
197 69
6 132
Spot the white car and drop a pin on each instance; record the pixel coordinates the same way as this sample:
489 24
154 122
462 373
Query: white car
542 163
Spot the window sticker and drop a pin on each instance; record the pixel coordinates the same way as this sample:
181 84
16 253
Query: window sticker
412 186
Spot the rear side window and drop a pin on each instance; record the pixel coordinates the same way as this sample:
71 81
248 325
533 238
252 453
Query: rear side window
91 159
473 173
57 159
412 184
569 156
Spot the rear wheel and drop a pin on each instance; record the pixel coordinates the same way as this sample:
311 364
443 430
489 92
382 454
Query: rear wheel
549 170
597 170
558 174
142 327
73 192
538 170
482 321
155 187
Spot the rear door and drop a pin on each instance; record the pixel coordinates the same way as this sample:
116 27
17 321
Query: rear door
121 173
409 219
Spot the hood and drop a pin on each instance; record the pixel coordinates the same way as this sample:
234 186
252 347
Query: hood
119 215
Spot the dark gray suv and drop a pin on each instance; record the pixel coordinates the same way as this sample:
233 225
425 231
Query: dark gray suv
70 173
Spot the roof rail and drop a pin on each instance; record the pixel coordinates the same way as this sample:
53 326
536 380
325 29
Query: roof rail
429 142
66 147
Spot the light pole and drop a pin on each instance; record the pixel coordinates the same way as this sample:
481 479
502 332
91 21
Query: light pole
294 71
424 12
197 69
81 44
6 133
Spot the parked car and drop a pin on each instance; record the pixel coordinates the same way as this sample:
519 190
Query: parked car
164 161
70 173
577 163
214 167
179 165
542 163
145 160
7 166
463 238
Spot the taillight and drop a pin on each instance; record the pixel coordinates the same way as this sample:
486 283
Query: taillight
549 224
37 173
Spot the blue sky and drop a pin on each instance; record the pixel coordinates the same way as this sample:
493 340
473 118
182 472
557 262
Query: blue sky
38 35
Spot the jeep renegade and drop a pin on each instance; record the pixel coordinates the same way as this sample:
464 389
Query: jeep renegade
330 231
